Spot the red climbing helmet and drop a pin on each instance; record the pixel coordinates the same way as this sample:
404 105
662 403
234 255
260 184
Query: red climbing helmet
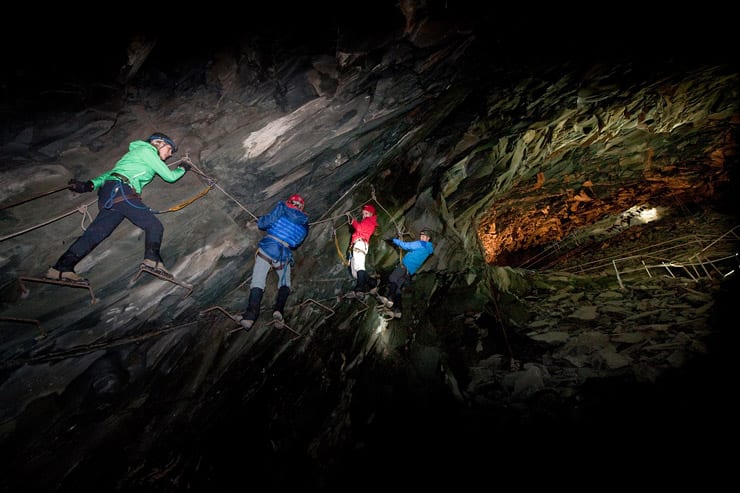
369 208
295 201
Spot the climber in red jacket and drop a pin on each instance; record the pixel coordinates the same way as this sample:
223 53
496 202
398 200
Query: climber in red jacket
363 229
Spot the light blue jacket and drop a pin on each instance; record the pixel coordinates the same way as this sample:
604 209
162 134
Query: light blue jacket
418 252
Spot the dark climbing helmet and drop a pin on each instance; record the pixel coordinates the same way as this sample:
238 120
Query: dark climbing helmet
426 233
161 136
295 201
369 208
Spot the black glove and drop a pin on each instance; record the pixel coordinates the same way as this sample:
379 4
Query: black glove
186 166
81 186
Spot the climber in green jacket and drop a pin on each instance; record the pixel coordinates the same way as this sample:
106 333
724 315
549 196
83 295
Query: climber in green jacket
119 198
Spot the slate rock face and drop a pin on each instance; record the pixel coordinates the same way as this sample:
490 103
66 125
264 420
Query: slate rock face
585 233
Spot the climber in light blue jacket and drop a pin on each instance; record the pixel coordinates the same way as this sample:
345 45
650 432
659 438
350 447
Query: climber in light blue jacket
418 252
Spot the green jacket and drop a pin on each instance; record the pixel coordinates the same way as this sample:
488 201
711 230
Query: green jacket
139 165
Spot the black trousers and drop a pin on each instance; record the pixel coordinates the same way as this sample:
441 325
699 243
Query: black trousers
118 201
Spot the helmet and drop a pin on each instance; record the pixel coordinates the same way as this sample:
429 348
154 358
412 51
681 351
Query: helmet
295 201
161 136
426 233
369 208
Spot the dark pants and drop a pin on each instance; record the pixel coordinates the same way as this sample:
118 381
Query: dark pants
396 282
112 211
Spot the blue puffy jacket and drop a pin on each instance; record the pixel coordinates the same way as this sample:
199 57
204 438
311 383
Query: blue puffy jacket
286 229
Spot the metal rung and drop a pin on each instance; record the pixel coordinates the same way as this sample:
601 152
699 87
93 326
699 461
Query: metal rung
44 280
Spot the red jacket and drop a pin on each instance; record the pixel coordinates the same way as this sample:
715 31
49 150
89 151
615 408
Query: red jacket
364 228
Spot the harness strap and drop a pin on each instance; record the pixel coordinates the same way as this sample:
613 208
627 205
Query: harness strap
269 260
278 240
123 196
359 239
121 177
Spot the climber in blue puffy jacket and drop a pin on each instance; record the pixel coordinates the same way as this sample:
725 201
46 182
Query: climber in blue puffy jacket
286 226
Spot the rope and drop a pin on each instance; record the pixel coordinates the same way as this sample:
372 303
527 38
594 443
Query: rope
212 183
337 201
344 260
66 187
81 209
398 229
189 201
89 348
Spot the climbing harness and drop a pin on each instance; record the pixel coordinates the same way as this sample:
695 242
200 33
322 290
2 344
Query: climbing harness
114 198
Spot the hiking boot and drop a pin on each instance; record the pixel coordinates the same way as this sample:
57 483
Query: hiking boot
58 275
278 318
158 266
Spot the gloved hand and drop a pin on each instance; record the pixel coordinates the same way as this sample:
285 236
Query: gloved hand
81 186
186 166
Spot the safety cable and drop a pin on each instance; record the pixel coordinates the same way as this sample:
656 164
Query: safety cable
82 209
92 347
400 233
212 183
337 201
398 229
65 187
